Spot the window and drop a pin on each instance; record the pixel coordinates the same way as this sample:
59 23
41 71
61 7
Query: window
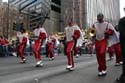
54 8
57 2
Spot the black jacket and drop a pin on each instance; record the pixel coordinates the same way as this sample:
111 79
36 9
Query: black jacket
121 27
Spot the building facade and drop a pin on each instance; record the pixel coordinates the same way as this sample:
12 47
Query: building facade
52 24
84 12
54 14
72 9
45 12
8 30
24 15
110 9
0 1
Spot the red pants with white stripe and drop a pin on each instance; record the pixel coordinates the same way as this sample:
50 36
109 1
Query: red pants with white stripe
110 51
100 54
117 49
69 52
50 50
36 49
21 51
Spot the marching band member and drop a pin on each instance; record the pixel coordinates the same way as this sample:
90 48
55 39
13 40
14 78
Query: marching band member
51 43
40 34
103 31
91 48
22 44
72 34
79 43
115 43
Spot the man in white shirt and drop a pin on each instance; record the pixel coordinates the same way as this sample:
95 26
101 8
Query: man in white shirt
72 34
51 42
41 35
103 31
115 43
23 41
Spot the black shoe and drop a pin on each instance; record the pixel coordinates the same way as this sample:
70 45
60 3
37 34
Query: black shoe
23 61
104 74
118 80
101 74
70 69
39 65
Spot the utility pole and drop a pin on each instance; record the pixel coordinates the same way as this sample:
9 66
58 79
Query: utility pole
7 13
80 13
73 11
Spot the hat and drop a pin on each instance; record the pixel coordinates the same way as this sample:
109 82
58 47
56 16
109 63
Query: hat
100 15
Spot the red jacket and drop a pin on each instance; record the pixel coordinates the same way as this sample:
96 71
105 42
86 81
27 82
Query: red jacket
4 41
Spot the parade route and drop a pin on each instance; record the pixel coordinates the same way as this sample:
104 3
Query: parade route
11 71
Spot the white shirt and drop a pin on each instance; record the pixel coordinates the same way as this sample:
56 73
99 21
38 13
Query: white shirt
70 31
80 39
21 36
100 29
113 39
37 31
51 38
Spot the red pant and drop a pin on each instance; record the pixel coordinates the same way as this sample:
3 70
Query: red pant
117 49
50 50
110 51
69 52
21 50
76 50
91 49
100 53
36 49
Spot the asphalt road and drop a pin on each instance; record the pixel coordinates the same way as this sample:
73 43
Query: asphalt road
11 71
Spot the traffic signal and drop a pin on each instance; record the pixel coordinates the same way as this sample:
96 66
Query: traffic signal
17 27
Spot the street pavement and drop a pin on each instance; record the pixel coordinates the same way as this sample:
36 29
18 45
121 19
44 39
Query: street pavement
11 71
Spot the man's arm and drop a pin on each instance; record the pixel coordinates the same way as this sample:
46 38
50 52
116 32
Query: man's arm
109 30
76 33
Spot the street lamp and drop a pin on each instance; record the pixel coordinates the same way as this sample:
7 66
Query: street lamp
7 19
7 15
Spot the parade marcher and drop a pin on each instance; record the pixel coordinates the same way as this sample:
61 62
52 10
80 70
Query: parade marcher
22 44
79 44
51 42
103 31
40 34
91 48
115 43
72 34
56 47
121 27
